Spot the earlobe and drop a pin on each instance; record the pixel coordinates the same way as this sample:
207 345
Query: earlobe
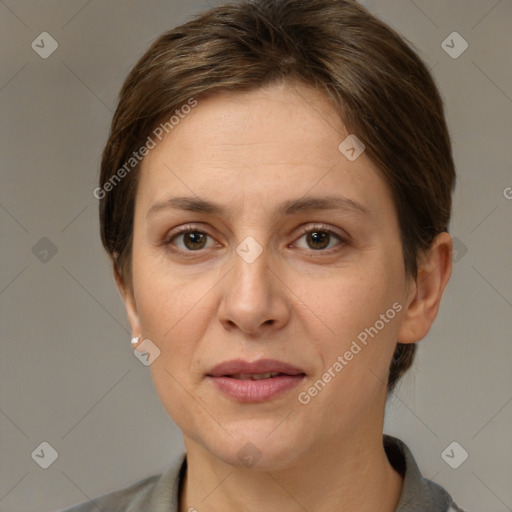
132 313
129 304
434 271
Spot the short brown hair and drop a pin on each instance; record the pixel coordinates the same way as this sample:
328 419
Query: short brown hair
382 90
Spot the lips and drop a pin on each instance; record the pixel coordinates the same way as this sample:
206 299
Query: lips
255 382
255 376
240 367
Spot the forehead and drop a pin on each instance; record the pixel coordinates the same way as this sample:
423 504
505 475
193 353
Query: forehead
275 143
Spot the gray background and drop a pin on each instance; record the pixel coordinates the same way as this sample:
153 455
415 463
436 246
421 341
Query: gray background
67 372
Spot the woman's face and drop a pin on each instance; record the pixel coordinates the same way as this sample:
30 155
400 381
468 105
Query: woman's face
292 254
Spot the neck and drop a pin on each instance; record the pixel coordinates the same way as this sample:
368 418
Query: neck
352 475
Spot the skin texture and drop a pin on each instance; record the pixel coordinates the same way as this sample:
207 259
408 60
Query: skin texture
296 303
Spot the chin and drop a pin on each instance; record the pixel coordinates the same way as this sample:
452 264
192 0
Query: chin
256 447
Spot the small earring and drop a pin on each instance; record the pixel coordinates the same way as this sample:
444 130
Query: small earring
135 340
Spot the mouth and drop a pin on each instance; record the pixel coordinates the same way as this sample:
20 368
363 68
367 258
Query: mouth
255 376
258 381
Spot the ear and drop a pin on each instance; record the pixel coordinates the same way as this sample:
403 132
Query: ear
127 295
434 271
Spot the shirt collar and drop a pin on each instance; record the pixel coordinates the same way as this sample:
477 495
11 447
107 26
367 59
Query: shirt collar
418 493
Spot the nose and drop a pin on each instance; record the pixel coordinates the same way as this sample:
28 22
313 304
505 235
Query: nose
254 297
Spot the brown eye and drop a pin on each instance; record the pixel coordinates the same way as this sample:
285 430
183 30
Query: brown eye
318 239
190 240
194 240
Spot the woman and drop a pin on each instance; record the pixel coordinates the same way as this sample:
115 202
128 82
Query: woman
275 196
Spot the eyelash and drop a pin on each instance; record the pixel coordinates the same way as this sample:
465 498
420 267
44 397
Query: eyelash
344 241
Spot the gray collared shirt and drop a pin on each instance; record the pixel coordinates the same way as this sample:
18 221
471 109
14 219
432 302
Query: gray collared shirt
160 493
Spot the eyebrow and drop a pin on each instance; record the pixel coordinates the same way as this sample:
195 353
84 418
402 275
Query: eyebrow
290 207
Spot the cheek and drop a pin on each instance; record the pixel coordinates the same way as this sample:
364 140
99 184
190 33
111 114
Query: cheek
172 315
165 298
360 314
352 299
356 348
